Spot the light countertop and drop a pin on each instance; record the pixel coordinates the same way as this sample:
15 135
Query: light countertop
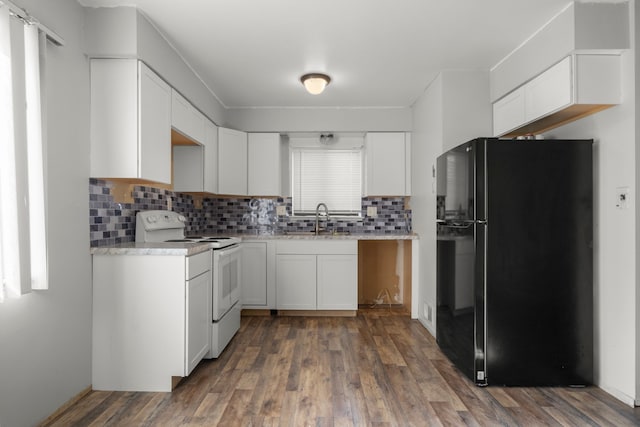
190 248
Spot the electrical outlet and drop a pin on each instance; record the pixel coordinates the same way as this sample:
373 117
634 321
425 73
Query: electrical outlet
169 203
622 197
281 210
429 314
372 211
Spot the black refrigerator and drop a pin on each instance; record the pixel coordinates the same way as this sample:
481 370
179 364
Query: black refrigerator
514 261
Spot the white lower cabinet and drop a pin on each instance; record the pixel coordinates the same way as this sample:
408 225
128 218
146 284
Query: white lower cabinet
258 274
198 319
151 319
296 278
336 275
317 275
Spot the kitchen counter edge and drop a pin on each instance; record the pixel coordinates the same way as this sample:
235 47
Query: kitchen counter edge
188 249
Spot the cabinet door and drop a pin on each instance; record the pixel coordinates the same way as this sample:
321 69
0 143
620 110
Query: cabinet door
263 164
386 166
232 162
549 91
254 274
337 282
508 112
114 118
211 158
186 119
154 116
198 320
296 282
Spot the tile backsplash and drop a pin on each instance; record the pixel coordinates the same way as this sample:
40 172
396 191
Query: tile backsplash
112 223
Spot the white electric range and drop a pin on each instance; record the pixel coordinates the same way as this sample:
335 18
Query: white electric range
168 227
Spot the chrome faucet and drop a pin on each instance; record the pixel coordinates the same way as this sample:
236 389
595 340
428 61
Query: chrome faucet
326 215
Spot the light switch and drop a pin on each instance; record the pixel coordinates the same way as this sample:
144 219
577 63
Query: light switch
372 211
622 197
281 210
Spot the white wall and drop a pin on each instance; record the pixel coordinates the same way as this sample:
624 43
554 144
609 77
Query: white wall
124 32
320 119
615 236
426 141
45 336
453 109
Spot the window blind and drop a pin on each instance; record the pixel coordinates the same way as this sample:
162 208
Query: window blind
333 177
23 258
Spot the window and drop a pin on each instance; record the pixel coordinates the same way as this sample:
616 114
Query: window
329 176
23 257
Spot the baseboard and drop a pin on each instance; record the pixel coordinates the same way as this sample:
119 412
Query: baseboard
318 313
75 399
624 398
255 312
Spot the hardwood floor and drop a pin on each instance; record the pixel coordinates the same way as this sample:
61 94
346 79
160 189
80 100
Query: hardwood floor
377 369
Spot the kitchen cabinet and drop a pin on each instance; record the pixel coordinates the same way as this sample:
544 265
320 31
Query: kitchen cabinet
130 121
195 166
317 275
575 87
387 164
210 157
198 316
508 113
336 276
151 319
296 281
263 164
186 119
232 162
258 274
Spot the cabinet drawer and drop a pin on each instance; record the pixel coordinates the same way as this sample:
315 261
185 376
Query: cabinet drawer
317 247
198 264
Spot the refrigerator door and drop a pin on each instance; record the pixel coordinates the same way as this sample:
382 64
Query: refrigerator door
539 295
456 257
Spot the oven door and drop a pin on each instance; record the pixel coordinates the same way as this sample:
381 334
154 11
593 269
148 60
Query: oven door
226 280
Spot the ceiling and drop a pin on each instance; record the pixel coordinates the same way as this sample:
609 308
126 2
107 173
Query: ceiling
379 53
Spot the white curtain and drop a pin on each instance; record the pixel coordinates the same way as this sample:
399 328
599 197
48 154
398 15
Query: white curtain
23 258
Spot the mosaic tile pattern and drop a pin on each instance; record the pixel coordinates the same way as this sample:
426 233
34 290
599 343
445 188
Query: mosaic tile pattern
113 223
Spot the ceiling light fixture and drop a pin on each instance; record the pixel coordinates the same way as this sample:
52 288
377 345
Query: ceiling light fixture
315 82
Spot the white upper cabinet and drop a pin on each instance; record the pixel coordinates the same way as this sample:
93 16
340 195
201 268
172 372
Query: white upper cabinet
387 164
130 121
577 86
232 162
210 157
549 91
508 113
186 119
263 164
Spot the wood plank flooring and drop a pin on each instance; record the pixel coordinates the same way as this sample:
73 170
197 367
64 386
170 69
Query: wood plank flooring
377 369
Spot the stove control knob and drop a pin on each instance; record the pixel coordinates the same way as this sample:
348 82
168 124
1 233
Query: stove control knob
181 218
151 219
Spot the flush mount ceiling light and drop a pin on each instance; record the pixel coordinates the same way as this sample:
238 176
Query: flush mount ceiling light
315 82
